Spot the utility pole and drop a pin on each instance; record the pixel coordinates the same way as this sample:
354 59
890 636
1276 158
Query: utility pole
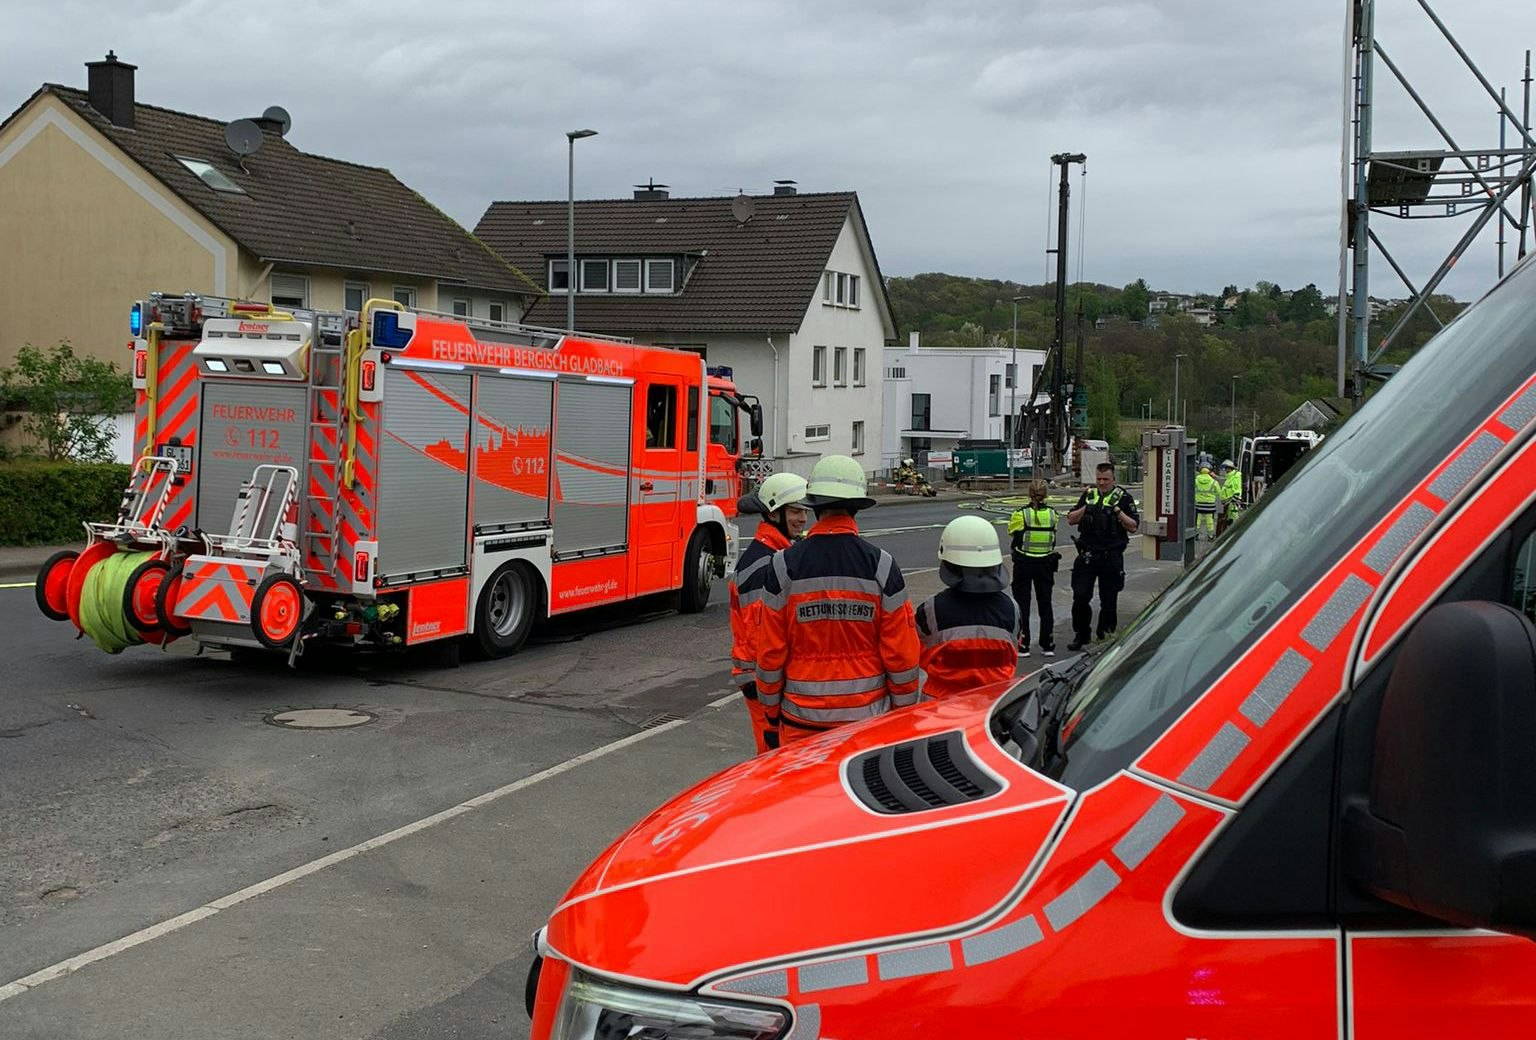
1059 407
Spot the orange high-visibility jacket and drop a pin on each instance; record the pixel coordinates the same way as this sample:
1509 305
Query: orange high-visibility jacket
969 639
838 641
746 588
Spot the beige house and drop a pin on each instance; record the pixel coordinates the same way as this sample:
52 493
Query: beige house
104 199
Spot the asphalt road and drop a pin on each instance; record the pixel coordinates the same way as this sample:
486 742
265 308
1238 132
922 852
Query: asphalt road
148 791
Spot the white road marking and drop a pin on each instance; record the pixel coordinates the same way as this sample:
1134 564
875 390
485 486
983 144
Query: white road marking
180 921
18 585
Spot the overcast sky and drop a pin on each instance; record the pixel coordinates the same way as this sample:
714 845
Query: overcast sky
1212 128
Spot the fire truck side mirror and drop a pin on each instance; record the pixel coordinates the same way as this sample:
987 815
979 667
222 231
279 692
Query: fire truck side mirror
1449 825
757 420
757 446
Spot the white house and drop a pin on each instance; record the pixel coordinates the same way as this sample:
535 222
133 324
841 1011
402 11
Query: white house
783 289
936 397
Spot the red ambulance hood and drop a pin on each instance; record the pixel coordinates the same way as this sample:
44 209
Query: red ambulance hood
776 857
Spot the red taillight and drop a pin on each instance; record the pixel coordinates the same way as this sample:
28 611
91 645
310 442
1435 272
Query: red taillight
369 372
360 567
140 364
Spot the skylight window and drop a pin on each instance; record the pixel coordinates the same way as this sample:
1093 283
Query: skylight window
210 175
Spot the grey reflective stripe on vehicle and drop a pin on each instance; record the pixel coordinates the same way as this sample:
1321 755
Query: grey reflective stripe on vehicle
1145 835
753 567
1260 705
976 632
1465 466
1346 600
767 984
1214 759
807 1023
1398 537
834 687
868 711
1521 410
1000 942
920 960
850 971
1083 896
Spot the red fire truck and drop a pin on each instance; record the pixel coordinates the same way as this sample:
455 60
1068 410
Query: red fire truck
1297 798
399 477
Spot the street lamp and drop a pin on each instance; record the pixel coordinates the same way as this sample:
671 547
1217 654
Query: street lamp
1013 394
1176 358
1232 447
571 137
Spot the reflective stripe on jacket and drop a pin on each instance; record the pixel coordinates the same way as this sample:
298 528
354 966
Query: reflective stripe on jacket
746 592
1205 493
1032 532
969 639
837 641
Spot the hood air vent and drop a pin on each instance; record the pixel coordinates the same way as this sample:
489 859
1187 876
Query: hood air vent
919 775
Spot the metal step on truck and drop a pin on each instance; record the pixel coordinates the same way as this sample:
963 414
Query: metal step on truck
397 477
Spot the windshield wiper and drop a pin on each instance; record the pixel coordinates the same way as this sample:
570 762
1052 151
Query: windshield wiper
1034 723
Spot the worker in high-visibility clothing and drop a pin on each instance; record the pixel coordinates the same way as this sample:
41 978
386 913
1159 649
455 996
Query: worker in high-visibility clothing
1032 544
1231 496
1206 491
781 502
838 642
968 631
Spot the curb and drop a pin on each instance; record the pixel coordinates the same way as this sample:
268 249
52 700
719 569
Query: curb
19 563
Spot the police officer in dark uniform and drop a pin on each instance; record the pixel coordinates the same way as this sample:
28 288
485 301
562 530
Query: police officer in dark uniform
1105 516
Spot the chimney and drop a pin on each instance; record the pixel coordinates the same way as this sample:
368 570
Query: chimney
785 188
650 191
109 85
913 339
269 125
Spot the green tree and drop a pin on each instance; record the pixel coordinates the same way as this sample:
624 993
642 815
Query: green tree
1134 299
69 401
1103 402
1305 304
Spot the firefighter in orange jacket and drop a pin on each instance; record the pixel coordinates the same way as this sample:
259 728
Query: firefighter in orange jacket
780 501
838 643
970 630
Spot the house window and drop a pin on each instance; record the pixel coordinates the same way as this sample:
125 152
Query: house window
897 372
211 176
818 366
498 312
842 290
858 437
594 276
826 287
1012 372
858 366
821 432
405 296
659 276
354 295
994 384
840 366
661 417
626 276
922 405
290 290
461 308
853 290
559 276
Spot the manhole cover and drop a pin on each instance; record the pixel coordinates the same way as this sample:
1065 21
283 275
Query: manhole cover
321 718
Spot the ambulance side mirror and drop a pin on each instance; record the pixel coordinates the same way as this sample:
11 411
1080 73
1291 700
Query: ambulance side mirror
1449 826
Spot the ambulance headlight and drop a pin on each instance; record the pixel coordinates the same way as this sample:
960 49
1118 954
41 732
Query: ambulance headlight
592 1009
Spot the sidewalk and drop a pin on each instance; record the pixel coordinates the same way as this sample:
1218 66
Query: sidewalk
20 562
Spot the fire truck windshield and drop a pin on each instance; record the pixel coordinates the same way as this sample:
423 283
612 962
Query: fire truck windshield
1341 489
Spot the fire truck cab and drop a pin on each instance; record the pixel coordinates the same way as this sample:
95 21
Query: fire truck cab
1296 798
397 477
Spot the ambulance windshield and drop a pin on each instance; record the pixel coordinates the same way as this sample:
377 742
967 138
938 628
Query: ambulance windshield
1195 630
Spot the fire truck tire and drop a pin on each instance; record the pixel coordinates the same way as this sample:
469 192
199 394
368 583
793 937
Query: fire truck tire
277 611
698 572
506 611
140 594
52 580
165 603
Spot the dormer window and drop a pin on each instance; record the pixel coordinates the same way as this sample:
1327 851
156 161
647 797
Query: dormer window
648 275
210 175
659 276
626 276
594 276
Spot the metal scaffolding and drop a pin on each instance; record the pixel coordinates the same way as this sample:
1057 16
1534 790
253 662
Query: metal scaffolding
1416 185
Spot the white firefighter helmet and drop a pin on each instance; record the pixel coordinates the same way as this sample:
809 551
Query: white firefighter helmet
906 462
780 490
838 480
1226 464
970 541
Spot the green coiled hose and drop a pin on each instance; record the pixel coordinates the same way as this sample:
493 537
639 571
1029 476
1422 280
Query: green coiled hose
101 602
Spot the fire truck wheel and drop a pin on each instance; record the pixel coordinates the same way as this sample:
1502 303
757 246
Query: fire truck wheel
140 593
52 579
506 610
165 603
276 611
698 572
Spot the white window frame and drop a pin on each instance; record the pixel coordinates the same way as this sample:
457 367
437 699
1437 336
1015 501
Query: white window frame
581 266
362 287
210 175
853 291
639 269
819 366
550 277
406 291
467 304
818 432
994 394
493 308
842 290
859 367
839 366
299 283
827 277
858 437
651 265
1010 374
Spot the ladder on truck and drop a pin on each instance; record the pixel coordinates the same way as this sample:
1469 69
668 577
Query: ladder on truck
321 471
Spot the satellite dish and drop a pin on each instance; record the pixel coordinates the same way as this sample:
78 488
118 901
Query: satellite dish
742 208
279 115
243 137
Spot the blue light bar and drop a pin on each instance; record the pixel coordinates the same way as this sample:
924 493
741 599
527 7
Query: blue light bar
387 333
136 320
721 371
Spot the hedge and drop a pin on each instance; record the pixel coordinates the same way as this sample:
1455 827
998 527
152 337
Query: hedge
44 503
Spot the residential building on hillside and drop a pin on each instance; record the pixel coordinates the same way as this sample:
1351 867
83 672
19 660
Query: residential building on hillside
783 289
104 199
935 397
